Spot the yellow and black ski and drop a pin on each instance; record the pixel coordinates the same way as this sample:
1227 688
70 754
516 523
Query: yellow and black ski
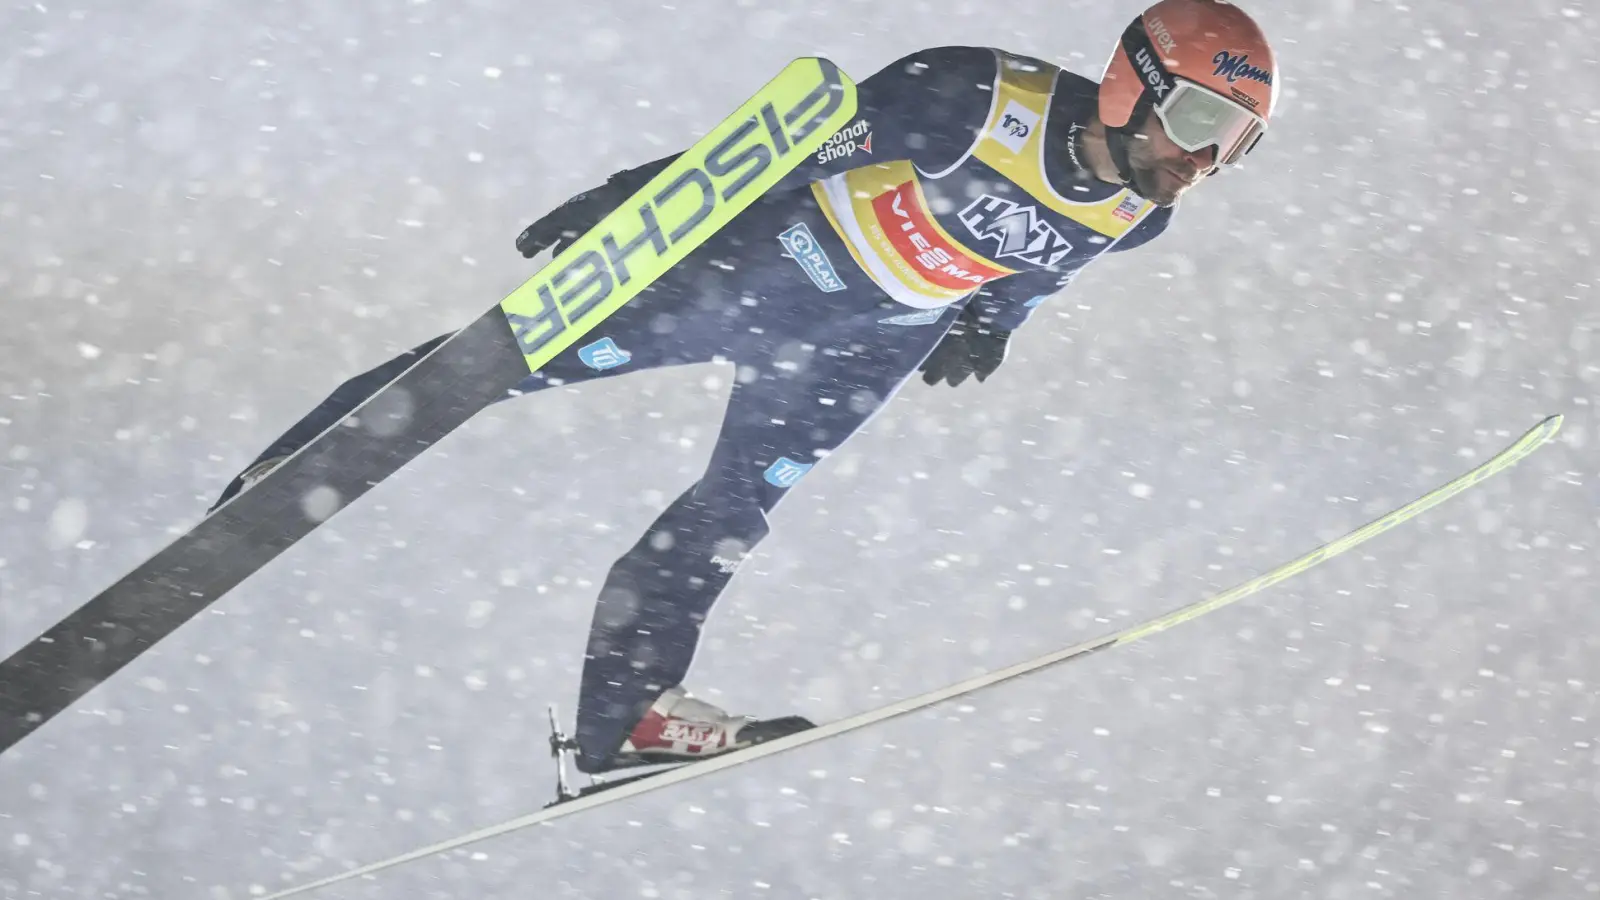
701 191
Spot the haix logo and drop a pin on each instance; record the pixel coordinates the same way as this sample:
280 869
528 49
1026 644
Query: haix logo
1018 230
1158 30
1152 73
846 141
1234 67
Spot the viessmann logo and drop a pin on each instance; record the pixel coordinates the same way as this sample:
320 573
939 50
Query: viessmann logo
634 245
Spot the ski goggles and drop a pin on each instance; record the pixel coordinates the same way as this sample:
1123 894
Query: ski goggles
1196 117
1193 116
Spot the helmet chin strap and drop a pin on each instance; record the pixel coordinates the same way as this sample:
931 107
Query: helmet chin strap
1119 139
1117 142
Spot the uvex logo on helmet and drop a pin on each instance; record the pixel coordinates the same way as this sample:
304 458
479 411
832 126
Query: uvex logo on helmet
1161 35
1234 66
1152 73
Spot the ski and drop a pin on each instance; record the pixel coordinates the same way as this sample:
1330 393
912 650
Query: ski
701 191
569 803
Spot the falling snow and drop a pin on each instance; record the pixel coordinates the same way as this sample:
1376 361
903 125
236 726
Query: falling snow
214 213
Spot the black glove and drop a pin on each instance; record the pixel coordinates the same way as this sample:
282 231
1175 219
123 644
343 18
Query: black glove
970 347
561 226
568 222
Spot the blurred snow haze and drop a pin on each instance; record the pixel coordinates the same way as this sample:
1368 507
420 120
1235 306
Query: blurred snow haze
211 213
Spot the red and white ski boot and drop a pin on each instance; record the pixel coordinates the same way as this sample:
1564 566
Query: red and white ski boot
679 728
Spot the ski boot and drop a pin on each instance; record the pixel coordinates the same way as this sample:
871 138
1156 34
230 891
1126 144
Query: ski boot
680 728
677 730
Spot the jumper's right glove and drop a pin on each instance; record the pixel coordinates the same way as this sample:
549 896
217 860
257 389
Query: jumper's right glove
970 347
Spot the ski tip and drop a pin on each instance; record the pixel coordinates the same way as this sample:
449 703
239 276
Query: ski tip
1547 428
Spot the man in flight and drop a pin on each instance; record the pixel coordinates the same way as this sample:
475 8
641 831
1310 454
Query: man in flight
974 184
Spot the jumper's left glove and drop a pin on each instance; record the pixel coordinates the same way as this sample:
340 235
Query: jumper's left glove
564 224
970 347
568 222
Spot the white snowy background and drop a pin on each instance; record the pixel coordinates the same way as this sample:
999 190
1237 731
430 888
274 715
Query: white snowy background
213 212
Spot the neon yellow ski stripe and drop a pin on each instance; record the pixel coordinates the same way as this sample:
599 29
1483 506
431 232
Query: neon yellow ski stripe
701 191
1507 458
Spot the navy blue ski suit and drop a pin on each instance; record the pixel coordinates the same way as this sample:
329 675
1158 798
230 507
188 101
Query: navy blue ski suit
919 237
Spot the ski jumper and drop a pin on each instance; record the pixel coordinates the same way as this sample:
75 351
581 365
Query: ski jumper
954 191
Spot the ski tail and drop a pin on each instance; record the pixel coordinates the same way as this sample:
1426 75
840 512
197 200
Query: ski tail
702 190
438 393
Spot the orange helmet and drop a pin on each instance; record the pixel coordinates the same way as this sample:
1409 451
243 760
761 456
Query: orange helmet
1206 69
